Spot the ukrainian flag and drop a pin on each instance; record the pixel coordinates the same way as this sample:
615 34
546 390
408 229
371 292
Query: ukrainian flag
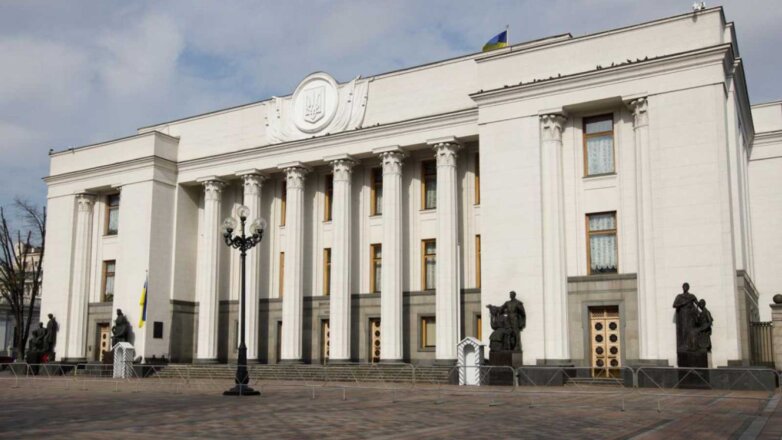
499 41
143 304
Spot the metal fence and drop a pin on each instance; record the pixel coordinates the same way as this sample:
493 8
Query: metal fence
663 387
761 343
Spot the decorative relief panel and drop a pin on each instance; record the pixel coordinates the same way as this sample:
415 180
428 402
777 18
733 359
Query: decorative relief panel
318 106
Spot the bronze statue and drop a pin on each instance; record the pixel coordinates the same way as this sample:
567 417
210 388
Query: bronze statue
37 339
686 319
517 318
703 330
52 327
121 329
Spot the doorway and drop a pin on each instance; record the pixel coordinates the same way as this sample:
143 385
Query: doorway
324 341
605 337
104 341
374 340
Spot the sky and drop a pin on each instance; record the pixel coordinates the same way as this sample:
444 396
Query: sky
78 72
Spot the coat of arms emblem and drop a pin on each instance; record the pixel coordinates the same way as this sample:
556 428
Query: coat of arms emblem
314 104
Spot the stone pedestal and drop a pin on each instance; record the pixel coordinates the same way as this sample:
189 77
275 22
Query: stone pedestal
686 359
504 376
693 370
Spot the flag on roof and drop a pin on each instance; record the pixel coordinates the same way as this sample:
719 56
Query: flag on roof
499 41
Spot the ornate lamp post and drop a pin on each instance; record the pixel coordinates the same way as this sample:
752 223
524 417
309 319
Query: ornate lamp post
243 243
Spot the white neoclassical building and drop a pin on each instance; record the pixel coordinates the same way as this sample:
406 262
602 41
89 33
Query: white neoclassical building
592 175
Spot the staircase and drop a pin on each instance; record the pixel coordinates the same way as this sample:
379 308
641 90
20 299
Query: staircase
352 373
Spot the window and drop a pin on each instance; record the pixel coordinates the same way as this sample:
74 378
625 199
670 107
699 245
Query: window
478 327
428 332
477 179
326 271
375 267
376 197
429 184
329 196
283 201
428 264
157 330
107 291
282 273
599 145
601 231
112 214
478 261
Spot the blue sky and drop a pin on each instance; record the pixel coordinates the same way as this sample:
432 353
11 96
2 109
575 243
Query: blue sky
79 72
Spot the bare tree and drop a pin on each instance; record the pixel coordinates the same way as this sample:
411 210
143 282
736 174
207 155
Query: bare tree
21 259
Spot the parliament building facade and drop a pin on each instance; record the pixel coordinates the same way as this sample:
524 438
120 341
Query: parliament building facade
592 175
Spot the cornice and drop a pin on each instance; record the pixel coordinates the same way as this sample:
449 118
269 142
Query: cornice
595 77
128 165
459 117
112 141
764 138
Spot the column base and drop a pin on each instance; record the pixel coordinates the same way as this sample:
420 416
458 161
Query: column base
339 362
73 360
205 361
291 362
392 361
445 362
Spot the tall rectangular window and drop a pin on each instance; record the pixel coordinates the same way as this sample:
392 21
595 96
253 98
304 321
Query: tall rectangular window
328 191
107 289
375 267
477 179
376 196
283 201
428 184
282 273
599 145
428 264
478 261
428 332
326 271
601 235
112 214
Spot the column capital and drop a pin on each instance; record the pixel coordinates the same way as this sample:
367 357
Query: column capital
552 125
640 109
253 182
85 201
445 150
213 187
342 166
391 158
295 173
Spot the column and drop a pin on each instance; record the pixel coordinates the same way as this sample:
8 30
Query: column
554 266
447 287
77 317
207 275
253 183
339 302
647 314
293 299
391 323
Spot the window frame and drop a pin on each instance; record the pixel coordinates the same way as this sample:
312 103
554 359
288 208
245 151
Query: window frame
589 234
326 271
283 202
422 321
477 173
374 286
281 275
374 208
424 258
477 261
424 175
109 207
328 197
105 277
586 137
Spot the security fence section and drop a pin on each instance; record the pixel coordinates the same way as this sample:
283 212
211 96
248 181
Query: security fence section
660 388
762 343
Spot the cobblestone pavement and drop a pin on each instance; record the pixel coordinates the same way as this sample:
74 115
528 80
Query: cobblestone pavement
37 411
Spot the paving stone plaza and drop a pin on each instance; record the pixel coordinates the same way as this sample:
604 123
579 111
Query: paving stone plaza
151 409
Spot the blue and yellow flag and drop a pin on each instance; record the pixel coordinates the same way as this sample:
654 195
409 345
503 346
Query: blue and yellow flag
143 304
499 41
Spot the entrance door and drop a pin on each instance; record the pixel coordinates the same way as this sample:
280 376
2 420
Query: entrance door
605 341
324 341
104 341
374 340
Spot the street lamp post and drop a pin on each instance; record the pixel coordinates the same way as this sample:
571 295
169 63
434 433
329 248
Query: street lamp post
243 243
